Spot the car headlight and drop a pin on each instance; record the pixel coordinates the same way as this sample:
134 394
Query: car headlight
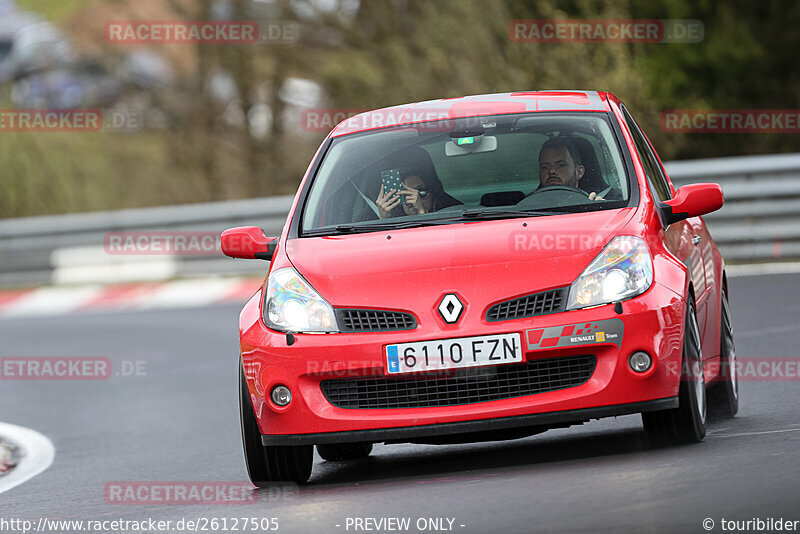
292 305
622 270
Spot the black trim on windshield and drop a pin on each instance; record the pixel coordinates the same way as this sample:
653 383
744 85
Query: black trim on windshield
297 216
468 215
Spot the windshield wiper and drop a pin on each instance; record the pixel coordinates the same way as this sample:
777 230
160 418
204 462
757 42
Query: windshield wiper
363 228
468 215
482 215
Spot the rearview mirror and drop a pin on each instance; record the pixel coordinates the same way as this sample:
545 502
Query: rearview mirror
692 201
248 242
470 145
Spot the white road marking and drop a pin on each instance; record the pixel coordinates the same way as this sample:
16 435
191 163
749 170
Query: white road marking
758 269
52 300
756 433
38 453
189 293
768 330
94 265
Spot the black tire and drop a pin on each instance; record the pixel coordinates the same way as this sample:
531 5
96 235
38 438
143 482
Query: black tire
337 452
687 422
723 397
267 465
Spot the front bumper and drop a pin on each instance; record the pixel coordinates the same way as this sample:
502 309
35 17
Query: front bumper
652 323
468 427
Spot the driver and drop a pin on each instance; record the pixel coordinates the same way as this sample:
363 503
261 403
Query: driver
560 164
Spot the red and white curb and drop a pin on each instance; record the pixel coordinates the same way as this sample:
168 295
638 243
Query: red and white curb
7 461
36 451
186 293
190 292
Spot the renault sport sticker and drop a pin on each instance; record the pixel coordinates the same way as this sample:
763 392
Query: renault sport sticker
573 335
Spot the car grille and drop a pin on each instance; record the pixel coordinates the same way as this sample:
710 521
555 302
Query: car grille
463 386
529 306
374 320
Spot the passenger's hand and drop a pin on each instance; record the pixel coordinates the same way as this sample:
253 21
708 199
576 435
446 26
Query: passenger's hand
387 202
413 205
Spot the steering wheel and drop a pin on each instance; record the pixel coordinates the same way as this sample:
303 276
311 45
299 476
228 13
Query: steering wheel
567 188
460 207
554 196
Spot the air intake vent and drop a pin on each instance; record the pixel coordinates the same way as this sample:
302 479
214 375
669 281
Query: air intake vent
464 386
552 301
374 320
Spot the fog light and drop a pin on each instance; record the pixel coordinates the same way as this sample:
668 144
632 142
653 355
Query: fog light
281 395
640 362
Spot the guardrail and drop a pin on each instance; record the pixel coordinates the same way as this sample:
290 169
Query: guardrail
760 221
71 248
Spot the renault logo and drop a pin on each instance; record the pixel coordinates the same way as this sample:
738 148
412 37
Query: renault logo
450 308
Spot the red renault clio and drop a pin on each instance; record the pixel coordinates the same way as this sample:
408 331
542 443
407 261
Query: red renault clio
481 268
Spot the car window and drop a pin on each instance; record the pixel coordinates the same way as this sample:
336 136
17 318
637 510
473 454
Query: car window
453 166
650 163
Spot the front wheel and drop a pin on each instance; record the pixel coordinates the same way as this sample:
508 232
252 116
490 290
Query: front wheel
687 422
266 465
724 396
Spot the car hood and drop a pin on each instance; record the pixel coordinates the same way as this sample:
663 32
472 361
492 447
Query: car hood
482 261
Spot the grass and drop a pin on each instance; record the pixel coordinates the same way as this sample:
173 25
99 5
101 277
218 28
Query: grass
54 10
64 172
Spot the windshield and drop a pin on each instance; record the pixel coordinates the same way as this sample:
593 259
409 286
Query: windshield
467 169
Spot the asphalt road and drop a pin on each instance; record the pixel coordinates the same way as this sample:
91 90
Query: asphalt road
178 421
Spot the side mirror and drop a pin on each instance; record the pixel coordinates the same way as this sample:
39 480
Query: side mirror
248 242
693 200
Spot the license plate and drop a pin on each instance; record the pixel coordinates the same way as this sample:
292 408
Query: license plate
453 353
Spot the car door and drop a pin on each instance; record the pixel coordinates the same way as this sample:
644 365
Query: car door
701 250
686 239
707 298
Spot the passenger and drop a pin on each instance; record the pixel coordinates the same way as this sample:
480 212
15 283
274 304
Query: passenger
423 193
418 199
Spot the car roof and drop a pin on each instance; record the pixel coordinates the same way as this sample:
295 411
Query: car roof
475 105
